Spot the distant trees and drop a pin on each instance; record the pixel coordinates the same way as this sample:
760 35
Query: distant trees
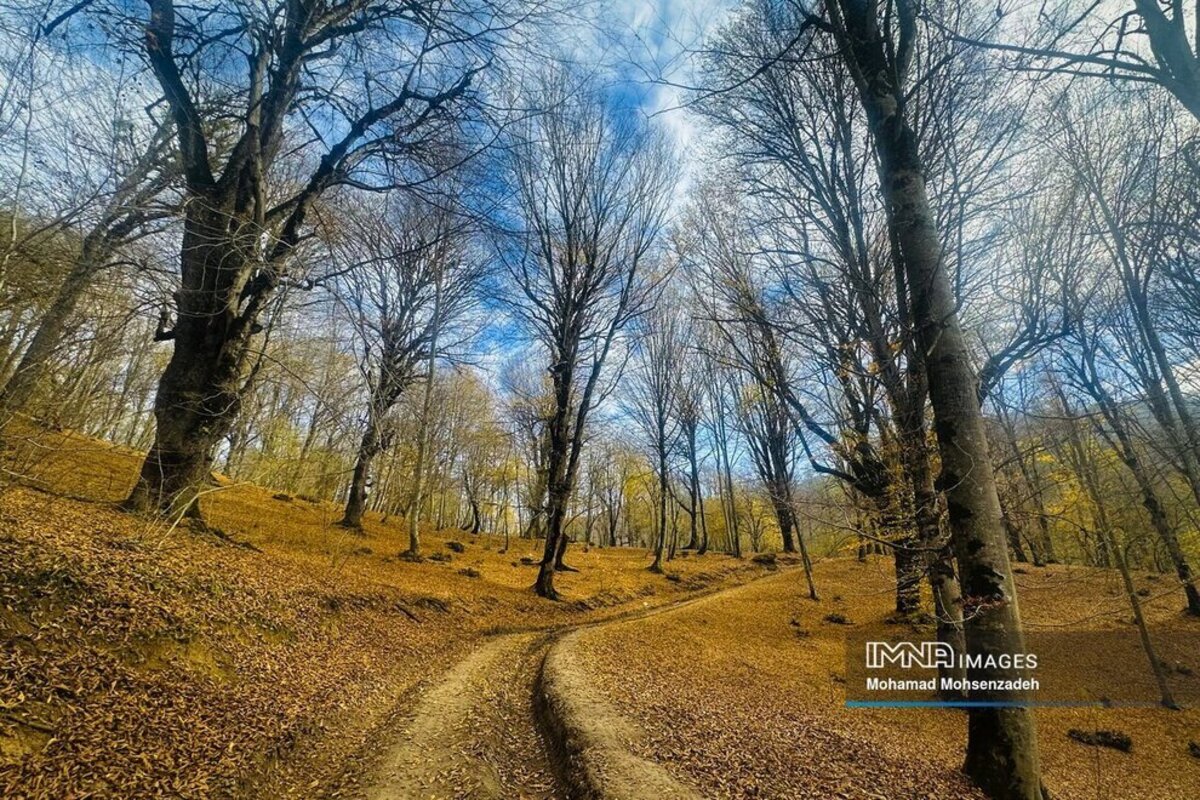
408 281
590 198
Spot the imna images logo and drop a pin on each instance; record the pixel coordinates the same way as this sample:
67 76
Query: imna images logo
906 655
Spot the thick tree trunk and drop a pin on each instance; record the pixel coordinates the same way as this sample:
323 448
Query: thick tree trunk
198 399
558 481
560 554
784 514
556 501
356 500
661 533
200 392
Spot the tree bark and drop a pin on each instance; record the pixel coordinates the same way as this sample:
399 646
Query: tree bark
661 533
693 489
356 500
413 518
200 392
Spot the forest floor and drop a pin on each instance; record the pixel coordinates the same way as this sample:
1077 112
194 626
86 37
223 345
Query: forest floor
748 697
142 660
291 658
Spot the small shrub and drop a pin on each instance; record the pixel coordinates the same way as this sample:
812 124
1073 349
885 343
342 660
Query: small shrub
284 496
766 559
457 547
470 572
837 619
443 557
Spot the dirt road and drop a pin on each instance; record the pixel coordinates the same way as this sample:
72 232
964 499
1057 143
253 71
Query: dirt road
516 719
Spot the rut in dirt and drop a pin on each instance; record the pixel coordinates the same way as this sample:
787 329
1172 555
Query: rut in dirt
474 736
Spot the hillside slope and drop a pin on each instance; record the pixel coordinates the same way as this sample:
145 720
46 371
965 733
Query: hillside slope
144 660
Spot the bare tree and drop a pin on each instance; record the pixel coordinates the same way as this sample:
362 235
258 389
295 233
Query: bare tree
385 121
1138 41
653 392
408 283
878 42
689 414
125 212
590 196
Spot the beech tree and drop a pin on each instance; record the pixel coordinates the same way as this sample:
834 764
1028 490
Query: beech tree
362 94
653 387
878 43
408 283
590 195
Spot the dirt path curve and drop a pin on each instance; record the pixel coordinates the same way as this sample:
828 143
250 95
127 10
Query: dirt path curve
478 734
473 734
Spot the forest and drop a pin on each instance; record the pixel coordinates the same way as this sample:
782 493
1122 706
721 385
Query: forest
603 376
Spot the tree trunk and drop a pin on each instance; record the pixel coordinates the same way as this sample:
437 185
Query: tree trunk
936 557
663 488
356 501
419 470
200 391
556 501
693 491
559 480
22 385
560 553
783 513
1014 538
1002 752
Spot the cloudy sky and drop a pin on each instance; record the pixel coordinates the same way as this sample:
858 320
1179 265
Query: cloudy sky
648 46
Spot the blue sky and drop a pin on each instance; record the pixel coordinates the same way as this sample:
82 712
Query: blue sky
646 45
